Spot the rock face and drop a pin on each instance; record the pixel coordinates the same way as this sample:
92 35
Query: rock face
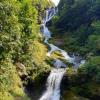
58 64
21 69
35 88
59 42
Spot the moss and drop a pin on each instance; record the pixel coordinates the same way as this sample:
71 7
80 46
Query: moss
71 72
69 95
38 51
6 96
57 54
10 83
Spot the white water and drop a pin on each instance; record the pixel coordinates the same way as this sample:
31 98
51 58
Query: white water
53 85
53 82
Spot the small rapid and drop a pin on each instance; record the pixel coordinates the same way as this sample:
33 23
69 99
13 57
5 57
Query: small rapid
53 82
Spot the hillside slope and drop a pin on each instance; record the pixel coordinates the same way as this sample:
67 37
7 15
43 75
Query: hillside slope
76 29
21 52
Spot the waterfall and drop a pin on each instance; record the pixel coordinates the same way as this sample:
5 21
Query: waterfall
47 35
53 85
53 82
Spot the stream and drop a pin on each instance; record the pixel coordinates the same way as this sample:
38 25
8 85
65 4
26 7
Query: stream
52 91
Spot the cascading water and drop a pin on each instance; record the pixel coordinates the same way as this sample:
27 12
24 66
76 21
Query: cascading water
55 77
47 35
53 81
53 85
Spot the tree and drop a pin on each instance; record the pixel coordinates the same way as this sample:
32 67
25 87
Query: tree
91 70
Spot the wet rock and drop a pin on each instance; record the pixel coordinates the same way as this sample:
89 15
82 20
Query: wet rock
58 64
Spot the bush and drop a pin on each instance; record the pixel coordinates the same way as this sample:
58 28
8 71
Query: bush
91 70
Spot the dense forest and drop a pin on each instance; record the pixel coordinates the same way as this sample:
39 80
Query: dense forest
75 28
80 22
20 45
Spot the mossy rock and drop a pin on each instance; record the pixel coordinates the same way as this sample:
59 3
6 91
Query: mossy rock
57 55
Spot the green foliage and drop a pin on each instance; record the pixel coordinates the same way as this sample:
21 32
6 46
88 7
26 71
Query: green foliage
96 26
69 95
55 19
94 38
94 42
74 13
91 70
10 83
78 25
20 49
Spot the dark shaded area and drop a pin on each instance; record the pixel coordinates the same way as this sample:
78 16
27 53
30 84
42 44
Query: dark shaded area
36 88
95 97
